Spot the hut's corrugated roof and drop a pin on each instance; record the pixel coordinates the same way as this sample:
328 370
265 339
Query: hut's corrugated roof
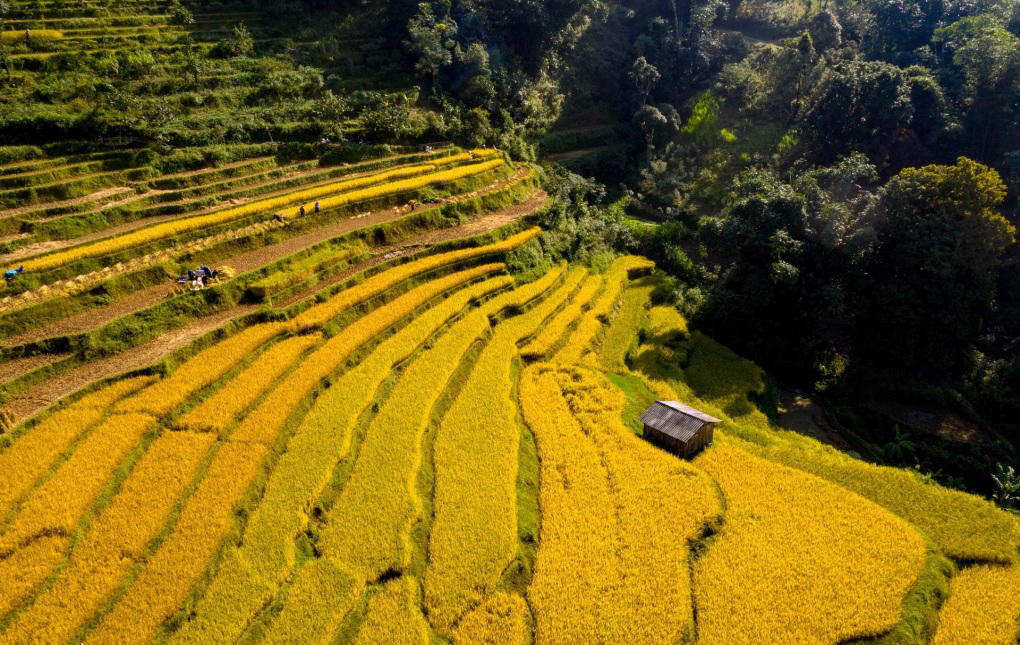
676 419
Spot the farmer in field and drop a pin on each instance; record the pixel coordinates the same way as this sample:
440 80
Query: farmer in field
301 211
278 217
316 207
10 273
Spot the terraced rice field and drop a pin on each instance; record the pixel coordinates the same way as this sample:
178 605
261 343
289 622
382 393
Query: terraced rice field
369 429
410 477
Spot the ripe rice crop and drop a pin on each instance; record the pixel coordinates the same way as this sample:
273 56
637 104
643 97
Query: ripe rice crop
204 369
265 421
369 525
141 237
983 607
320 315
26 569
25 461
60 502
499 621
543 342
251 573
616 276
622 332
56 507
394 616
658 361
301 197
798 559
412 177
414 183
114 541
34 34
715 373
640 593
964 527
171 571
569 596
580 340
28 458
655 592
474 534
114 392
666 325
323 589
217 412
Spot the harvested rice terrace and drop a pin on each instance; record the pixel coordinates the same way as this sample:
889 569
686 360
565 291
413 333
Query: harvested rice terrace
200 196
259 246
278 193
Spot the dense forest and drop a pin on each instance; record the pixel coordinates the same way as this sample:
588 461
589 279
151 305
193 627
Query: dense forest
831 184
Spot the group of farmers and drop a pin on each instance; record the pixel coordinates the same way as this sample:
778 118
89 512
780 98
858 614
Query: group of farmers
198 278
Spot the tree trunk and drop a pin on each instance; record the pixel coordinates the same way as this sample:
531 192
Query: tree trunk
676 21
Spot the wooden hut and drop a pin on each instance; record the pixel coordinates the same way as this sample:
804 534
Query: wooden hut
677 427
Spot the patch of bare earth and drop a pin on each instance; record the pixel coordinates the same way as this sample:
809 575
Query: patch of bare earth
939 422
101 194
574 154
13 369
37 398
95 317
800 414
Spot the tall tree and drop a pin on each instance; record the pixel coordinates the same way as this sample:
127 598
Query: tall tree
941 241
987 56
860 106
645 76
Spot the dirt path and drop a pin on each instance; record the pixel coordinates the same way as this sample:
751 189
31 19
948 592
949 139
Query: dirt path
101 194
13 369
574 154
802 415
937 421
39 397
583 128
93 318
